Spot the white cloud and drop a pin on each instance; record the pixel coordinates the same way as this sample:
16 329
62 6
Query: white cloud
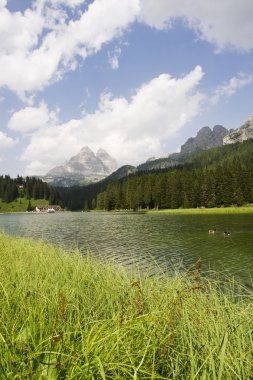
3 4
19 32
39 46
68 3
113 58
230 88
131 131
223 23
32 118
6 142
32 57
36 167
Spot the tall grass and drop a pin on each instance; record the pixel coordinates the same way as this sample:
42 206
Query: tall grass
203 211
64 316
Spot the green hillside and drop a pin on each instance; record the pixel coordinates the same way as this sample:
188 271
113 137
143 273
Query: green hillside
219 177
20 204
227 153
22 194
213 178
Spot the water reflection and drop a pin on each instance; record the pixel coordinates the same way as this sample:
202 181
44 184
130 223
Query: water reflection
160 242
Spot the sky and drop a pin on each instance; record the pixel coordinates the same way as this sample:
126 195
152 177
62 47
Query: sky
134 77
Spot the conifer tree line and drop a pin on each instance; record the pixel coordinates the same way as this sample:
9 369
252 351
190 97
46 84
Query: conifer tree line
222 186
215 178
29 187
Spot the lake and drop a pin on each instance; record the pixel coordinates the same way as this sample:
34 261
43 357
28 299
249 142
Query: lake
154 242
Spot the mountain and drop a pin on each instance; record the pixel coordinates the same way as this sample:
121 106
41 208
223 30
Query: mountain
245 132
206 138
218 176
159 163
195 177
87 167
122 172
84 168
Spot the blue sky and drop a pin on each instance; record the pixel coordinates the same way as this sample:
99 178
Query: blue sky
135 77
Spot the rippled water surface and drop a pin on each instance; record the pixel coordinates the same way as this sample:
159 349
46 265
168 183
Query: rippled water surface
157 241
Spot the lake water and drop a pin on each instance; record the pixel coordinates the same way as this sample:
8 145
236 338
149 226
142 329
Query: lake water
160 242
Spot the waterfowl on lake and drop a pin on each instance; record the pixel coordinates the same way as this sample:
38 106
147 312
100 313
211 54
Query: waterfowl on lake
226 233
212 231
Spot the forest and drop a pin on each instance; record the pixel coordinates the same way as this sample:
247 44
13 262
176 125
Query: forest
29 187
214 178
218 177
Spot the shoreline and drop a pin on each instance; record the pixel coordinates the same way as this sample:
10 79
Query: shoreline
204 211
179 211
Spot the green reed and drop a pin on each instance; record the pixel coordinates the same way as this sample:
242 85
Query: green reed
68 316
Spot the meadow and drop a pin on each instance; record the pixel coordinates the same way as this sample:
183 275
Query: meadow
68 316
247 209
20 205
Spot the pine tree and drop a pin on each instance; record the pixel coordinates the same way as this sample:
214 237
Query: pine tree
29 207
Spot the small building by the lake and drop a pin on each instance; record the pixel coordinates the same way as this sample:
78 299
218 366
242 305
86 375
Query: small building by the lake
47 208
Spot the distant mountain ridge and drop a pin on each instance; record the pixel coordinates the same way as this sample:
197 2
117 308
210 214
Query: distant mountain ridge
230 166
245 132
206 138
87 167
83 168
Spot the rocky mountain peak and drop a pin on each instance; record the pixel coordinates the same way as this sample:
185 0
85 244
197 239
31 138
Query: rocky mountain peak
219 130
206 138
101 152
83 156
86 164
107 160
86 149
245 132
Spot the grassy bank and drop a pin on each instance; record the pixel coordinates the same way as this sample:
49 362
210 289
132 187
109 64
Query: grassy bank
205 211
20 205
68 317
